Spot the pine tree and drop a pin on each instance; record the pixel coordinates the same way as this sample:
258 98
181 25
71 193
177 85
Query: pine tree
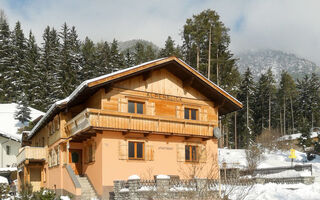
139 55
286 95
88 64
6 67
305 139
33 73
116 57
170 49
49 61
19 71
69 63
196 34
264 102
75 53
103 58
245 116
23 111
128 58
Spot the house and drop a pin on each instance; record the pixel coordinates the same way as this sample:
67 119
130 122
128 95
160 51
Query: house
154 118
10 140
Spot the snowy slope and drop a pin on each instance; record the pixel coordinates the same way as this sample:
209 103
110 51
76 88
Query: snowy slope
261 60
8 125
272 191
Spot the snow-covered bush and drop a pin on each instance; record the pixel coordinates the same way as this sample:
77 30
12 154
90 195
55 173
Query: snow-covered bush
254 157
4 190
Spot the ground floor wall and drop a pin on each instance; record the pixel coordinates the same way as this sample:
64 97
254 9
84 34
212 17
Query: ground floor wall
110 161
167 158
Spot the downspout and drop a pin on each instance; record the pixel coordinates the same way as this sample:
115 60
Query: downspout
2 152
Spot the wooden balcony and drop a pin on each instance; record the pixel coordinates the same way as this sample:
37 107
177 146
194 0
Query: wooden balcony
31 154
97 119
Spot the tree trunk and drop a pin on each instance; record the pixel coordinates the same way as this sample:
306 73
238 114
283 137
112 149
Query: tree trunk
209 55
269 112
284 116
235 131
217 67
292 119
198 58
281 127
247 111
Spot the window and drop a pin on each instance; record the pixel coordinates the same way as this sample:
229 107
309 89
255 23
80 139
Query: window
190 113
90 153
135 107
8 150
191 153
136 150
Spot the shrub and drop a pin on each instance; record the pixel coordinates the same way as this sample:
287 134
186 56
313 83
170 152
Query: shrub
253 157
4 190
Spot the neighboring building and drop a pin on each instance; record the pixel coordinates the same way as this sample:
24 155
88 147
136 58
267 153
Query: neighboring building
150 119
9 138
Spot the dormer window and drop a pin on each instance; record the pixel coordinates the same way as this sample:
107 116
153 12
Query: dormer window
135 107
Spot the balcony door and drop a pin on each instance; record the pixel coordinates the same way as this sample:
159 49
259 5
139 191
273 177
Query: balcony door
75 160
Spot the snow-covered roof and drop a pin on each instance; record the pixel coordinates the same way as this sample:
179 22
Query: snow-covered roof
9 125
85 84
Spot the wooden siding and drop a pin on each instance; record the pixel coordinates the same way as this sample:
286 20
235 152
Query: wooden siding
111 120
31 153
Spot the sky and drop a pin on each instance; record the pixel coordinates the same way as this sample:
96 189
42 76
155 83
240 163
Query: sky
287 25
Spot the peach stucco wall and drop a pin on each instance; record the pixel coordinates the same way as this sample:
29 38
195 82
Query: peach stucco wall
164 162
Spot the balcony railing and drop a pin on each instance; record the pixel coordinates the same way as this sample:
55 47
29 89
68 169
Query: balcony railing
32 154
112 120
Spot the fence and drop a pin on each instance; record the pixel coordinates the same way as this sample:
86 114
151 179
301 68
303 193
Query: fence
165 188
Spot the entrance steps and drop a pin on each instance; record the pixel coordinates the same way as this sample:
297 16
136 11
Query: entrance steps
87 190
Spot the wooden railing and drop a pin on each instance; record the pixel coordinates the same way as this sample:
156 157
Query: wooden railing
112 120
31 153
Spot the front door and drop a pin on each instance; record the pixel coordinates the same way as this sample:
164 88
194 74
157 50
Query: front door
75 160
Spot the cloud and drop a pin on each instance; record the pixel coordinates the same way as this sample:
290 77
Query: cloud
287 25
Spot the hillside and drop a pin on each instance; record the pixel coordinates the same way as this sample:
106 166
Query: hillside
131 43
260 61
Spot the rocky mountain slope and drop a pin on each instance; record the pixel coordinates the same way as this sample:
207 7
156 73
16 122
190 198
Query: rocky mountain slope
260 61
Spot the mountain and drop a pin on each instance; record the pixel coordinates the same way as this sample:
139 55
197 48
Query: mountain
260 61
130 44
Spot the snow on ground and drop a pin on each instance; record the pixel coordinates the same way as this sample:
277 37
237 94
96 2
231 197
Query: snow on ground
272 191
8 125
3 180
237 158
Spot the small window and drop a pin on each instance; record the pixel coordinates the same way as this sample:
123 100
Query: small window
90 153
190 113
136 150
191 153
135 107
8 150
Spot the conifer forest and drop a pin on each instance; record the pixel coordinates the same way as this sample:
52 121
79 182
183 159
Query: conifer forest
38 74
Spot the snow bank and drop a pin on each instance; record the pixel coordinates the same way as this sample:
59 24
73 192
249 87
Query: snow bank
163 176
272 191
134 177
3 180
296 136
